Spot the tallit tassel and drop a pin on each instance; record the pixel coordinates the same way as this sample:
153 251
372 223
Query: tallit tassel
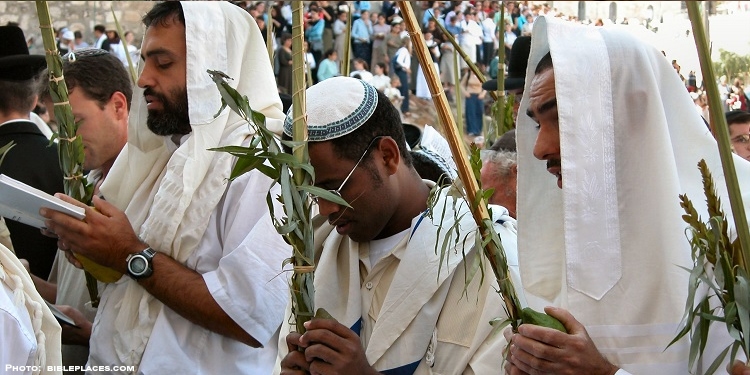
429 357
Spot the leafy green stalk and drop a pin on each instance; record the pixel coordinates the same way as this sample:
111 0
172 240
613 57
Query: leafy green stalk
721 129
70 148
715 267
266 155
303 301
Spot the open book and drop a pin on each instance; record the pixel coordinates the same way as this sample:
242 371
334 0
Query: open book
60 316
21 202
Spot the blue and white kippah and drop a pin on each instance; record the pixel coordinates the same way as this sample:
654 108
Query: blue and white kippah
336 107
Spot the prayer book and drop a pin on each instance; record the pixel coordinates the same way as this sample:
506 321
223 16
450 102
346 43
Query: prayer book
21 202
60 316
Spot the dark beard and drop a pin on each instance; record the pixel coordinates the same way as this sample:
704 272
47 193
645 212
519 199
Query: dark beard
173 118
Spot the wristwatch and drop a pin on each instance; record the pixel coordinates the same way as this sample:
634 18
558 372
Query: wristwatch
140 265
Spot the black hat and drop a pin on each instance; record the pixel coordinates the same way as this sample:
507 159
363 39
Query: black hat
517 63
413 135
15 62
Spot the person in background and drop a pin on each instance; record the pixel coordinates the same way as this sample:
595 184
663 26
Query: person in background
613 242
32 161
199 254
362 33
328 67
402 66
739 132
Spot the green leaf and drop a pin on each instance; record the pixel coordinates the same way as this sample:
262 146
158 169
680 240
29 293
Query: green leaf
717 362
530 316
324 194
742 298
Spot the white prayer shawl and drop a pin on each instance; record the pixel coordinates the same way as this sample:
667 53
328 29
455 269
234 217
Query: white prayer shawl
168 195
610 244
424 304
5 235
46 329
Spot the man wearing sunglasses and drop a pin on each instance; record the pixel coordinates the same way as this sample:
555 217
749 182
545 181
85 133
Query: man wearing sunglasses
397 306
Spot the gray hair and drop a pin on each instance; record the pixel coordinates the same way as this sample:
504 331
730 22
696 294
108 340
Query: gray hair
502 162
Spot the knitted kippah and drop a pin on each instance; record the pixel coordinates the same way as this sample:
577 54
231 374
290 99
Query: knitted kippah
336 107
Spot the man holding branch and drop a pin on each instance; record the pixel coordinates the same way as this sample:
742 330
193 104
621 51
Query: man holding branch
199 252
605 245
398 307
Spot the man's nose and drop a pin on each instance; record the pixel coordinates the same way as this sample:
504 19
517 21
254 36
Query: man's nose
327 208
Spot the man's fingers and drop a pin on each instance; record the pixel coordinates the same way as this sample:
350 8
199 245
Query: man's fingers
70 200
533 337
572 325
528 349
320 352
331 325
292 341
104 207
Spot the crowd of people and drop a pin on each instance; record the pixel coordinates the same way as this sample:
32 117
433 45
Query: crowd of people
584 199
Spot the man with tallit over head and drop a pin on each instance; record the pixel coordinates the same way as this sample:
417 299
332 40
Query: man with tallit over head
602 238
199 253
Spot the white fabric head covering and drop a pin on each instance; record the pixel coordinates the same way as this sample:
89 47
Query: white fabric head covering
169 195
336 107
46 328
436 148
608 246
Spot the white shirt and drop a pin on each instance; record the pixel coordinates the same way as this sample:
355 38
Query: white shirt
403 58
240 258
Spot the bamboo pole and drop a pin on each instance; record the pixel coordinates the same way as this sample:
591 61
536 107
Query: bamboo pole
478 205
302 279
719 124
70 146
464 56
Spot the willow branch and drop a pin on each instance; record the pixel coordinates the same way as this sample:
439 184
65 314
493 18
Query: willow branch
302 279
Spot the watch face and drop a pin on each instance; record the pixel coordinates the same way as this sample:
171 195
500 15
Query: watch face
138 265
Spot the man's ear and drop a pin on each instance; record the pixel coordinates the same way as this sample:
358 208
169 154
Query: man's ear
390 154
120 104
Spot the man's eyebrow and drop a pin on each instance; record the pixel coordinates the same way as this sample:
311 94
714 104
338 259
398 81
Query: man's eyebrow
552 103
157 52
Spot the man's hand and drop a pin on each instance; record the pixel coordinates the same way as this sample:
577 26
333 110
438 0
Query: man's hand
294 363
332 348
739 368
105 236
540 350
75 335
510 368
